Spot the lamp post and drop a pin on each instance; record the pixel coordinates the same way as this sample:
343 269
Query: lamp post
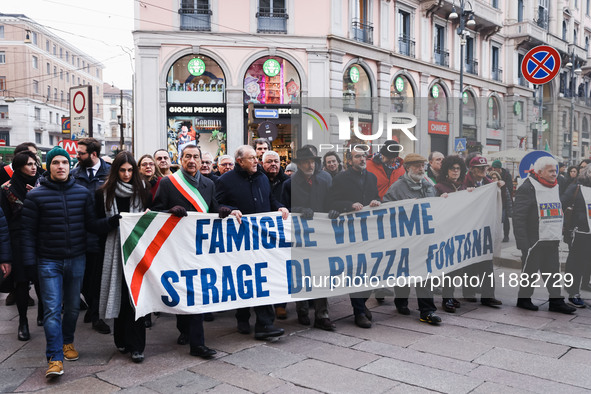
574 70
466 20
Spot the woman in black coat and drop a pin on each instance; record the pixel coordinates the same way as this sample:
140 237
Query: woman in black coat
12 198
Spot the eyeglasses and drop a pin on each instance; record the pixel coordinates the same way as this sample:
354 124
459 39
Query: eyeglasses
147 164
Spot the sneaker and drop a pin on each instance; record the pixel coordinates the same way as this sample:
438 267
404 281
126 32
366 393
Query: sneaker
456 303
576 301
101 327
70 353
430 318
525 303
362 321
561 308
267 332
56 368
506 239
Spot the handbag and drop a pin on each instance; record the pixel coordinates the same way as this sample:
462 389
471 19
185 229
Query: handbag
568 225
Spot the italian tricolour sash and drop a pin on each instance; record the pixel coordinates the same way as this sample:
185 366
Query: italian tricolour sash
189 191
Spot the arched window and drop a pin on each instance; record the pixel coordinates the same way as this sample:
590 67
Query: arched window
494 113
469 115
195 79
196 115
402 95
272 80
437 103
356 88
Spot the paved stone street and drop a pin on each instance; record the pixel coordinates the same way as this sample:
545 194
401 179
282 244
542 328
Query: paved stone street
478 349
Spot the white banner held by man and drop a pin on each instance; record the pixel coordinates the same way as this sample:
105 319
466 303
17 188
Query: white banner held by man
203 264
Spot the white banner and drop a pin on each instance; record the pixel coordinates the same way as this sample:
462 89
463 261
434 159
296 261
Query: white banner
201 263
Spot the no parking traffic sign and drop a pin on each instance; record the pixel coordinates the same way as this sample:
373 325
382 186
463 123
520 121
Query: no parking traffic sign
541 64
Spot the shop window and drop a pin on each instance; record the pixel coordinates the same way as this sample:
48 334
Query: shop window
356 88
196 106
271 80
494 113
401 95
437 103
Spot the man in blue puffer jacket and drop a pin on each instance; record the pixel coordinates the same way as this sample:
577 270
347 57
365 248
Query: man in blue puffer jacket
55 218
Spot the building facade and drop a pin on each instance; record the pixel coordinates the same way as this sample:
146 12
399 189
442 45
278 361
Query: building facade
118 115
204 62
37 70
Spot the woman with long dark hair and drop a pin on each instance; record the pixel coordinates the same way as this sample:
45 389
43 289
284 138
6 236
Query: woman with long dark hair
124 191
13 196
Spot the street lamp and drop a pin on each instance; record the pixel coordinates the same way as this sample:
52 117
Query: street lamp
466 20
574 70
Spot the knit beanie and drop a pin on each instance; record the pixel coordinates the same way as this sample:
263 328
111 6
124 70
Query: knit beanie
57 151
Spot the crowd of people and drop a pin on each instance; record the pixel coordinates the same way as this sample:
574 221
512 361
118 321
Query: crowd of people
59 228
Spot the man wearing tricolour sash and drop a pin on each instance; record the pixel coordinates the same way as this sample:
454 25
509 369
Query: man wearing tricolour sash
186 190
537 225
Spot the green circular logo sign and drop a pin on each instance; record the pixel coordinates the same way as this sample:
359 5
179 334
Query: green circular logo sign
517 108
354 74
465 97
435 91
196 67
399 83
271 67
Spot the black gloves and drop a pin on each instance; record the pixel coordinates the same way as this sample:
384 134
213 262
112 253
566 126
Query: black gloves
332 214
178 211
307 213
114 220
224 212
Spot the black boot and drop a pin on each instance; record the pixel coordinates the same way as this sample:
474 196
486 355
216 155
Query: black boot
23 330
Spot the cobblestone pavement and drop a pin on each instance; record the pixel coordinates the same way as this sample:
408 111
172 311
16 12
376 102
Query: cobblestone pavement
478 349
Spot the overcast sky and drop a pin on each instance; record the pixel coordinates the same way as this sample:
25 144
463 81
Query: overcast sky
100 29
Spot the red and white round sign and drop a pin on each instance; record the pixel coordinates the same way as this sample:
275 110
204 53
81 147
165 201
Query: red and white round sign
79 102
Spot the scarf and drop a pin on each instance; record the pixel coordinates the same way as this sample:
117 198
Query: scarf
542 181
15 190
414 186
110 298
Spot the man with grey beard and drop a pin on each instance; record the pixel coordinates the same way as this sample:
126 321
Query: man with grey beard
409 186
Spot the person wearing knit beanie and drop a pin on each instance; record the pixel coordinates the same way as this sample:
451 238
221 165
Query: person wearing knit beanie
57 151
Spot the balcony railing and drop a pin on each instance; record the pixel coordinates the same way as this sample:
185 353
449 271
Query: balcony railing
272 20
497 74
472 66
406 46
362 31
441 56
195 19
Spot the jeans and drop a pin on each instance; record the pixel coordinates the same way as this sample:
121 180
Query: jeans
57 277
